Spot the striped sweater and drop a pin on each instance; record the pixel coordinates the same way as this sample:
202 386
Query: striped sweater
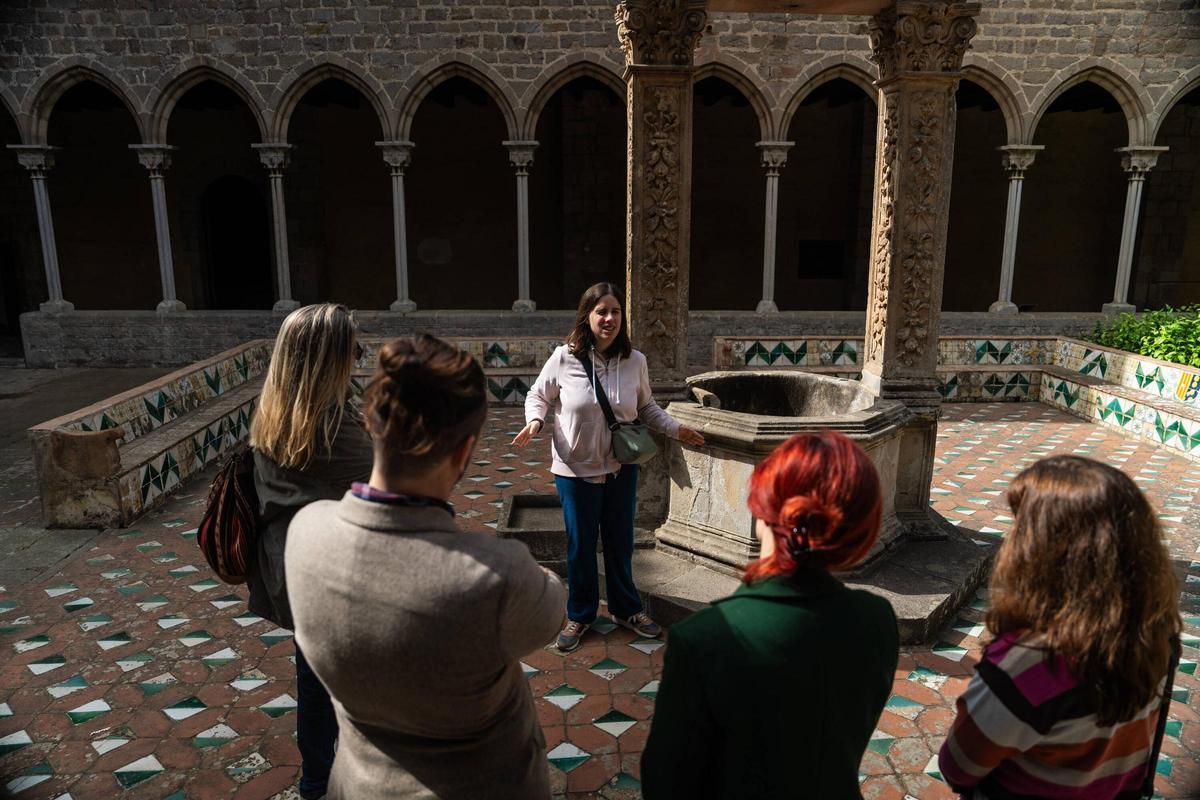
1025 729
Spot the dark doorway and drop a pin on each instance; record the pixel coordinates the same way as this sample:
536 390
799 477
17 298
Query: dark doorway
22 281
236 244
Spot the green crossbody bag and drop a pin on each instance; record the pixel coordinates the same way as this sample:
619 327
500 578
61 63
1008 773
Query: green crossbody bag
631 441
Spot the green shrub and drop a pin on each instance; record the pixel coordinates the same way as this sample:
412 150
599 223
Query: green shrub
1169 334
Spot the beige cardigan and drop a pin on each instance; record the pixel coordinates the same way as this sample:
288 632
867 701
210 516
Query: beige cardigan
416 629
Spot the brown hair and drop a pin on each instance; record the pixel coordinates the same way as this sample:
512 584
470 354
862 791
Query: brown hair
820 495
1085 571
426 398
580 339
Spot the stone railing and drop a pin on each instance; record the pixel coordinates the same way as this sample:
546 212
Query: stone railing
107 464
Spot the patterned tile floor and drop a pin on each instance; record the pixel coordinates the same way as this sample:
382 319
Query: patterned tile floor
132 673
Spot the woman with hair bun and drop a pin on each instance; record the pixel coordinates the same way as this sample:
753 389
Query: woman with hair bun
415 626
774 691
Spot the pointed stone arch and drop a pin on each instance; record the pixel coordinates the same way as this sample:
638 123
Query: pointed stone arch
1183 86
558 75
1002 89
461 66
10 104
856 71
66 74
740 78
300 80
1105 75
192 73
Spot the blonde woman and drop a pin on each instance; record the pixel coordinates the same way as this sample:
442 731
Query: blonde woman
309 444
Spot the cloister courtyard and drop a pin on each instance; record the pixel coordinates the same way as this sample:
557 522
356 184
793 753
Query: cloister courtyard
128 670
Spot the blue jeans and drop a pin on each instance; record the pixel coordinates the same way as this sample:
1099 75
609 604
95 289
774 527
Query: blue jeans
316 730
604 510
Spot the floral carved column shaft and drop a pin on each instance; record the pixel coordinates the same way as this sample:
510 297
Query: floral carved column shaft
156 158
918 47
659 38
38 160
276 157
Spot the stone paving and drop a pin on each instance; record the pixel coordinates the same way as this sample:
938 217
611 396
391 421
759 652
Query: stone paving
133 673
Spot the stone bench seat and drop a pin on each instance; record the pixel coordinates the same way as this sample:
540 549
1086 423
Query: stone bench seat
107 464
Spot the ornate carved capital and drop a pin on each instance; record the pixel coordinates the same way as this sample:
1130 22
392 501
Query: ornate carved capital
921 36
38 159
520 154
660 32
1137 161
774 156
397 155
156 158
274 156
1017 158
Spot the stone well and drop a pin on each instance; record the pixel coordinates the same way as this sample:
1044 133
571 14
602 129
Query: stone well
744 415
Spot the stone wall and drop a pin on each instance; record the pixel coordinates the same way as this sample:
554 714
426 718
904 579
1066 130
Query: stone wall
139 338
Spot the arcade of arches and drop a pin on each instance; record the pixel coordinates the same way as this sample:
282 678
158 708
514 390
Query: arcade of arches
462 221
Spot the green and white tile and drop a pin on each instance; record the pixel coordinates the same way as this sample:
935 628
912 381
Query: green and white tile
247 619
188 707
115 640
14 742
528 671
248 768
215 736
109 743
275 637
604 626
165 558
565 697
931 769
228 601
88 711
949 651
607 669
880 743
615 723
220 658
27 779
172 621
61 589
32 643
116 572
69 686
902 706
179 572
157 683
248 681
647 646
204 585
5 710
135 772
93 621
132 662
278 706
650 690
567 757
152 603
928 677
133 588
46 664
78 605
195 638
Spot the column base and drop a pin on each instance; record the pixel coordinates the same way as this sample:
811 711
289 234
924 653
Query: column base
403 306
285 305
57 306
766 307
524 306
1117 308
170 307
1003 307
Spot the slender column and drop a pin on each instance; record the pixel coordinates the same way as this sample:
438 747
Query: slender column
276 157
1017 158
659 40
1137 162
918 46
398 155
39 160
774 158
156 158
520 156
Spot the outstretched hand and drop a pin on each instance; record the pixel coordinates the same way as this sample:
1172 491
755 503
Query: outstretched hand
689 436
527 433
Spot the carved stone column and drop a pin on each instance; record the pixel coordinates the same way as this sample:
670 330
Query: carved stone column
398 155
1137 162
659 38
39 160
918 46
774 158
520 156
276 157
1017 158
156 158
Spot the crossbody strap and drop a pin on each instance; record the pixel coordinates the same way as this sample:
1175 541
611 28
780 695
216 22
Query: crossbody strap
1152 765
601 396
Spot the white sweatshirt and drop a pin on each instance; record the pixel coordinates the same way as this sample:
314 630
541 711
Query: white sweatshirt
582 444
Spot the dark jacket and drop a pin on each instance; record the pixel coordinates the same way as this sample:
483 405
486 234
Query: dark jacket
282 492
772 693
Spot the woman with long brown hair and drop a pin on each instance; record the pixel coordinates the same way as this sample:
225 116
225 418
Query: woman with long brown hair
1067 697
598 492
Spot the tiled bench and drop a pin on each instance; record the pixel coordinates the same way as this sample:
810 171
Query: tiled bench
105 465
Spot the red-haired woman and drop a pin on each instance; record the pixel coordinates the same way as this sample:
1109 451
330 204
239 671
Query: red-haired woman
1067 699
773 692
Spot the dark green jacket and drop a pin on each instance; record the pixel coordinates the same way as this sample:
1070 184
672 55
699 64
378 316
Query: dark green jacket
772 693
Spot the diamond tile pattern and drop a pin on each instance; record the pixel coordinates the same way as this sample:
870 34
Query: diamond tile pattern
196 691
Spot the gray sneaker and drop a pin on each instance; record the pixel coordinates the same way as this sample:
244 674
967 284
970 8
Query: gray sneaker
568 638
643 625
